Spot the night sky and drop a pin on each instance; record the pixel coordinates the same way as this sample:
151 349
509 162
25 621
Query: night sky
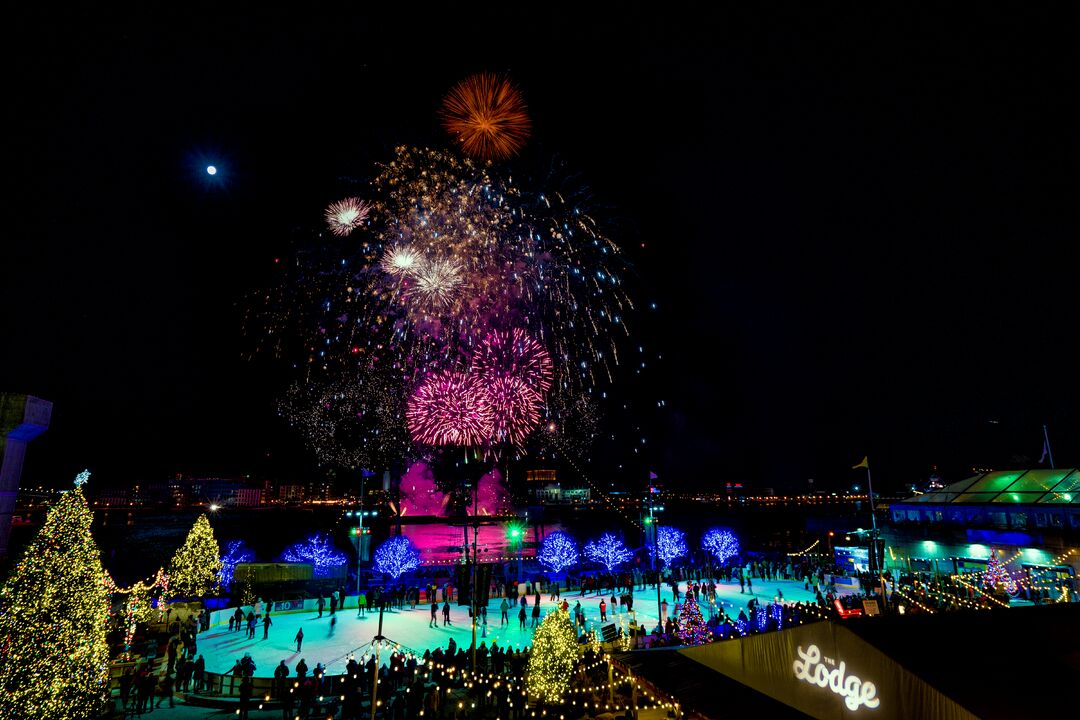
858 226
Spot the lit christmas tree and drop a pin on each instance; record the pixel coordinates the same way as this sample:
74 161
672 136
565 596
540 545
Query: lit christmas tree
670 544
997 573
555 655
690 626
319 551
53 616
721 543
557 552
195 566
396 556
609 551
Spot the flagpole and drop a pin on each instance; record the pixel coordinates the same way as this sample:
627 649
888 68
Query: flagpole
1046 437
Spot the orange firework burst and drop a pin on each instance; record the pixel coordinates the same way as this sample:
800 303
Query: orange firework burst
486 115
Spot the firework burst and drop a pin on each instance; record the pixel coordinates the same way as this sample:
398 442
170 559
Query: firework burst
513 354
346 215
515 410
449 408
486 115
400 260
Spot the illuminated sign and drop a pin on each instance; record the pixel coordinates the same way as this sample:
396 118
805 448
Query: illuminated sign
815 670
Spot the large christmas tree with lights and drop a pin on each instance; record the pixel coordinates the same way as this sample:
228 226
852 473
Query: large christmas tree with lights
195 566
53 615
691 625
555 654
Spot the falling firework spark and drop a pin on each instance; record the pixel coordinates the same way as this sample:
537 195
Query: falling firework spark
346 215
449 408
486 115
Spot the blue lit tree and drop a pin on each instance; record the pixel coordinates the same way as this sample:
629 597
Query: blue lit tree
396 556
319 551
609 551
721 543
557 552
670 544
234 555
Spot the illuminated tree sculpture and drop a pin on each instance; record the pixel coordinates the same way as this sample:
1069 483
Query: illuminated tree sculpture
690 625
721 543
53 616
557 552
609 551
320 552
670 544
555 655
234 555
396 556
996 573
195 566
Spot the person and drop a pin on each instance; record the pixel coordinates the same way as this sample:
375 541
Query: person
750 584
663 611
299 639
333 624
565 606
321 604
335 602
245 699
483 620
247 665
554 591
251 625
232 623
125 687
199 673
603 610
301 669
361 603
147 683
239 615
521 617
446 613
505 608
434 613
165 690
267 622
280 674
535 614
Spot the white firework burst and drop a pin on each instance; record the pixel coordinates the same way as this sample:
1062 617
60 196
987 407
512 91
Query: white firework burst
436 282
344 216
400 260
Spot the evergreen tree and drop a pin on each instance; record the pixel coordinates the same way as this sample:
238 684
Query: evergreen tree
998 574
555 654
53 616
195 566
691 625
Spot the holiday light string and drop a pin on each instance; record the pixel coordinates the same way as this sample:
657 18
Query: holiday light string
600 492
161 580
806 551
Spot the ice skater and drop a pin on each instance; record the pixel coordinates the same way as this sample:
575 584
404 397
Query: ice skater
299 639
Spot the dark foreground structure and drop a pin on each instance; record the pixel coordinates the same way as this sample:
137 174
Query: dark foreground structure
995 665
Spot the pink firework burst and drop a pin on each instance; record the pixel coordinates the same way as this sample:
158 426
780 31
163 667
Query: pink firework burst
515 409
449 408
513 354
344 216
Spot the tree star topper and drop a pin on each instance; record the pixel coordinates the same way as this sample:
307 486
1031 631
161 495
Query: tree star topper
81 478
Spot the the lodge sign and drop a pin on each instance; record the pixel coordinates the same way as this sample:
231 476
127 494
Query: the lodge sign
826 672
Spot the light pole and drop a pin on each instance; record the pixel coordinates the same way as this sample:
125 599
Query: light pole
358 531
651 522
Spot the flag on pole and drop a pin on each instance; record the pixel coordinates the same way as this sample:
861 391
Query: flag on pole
652 475
864 464
1046 450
